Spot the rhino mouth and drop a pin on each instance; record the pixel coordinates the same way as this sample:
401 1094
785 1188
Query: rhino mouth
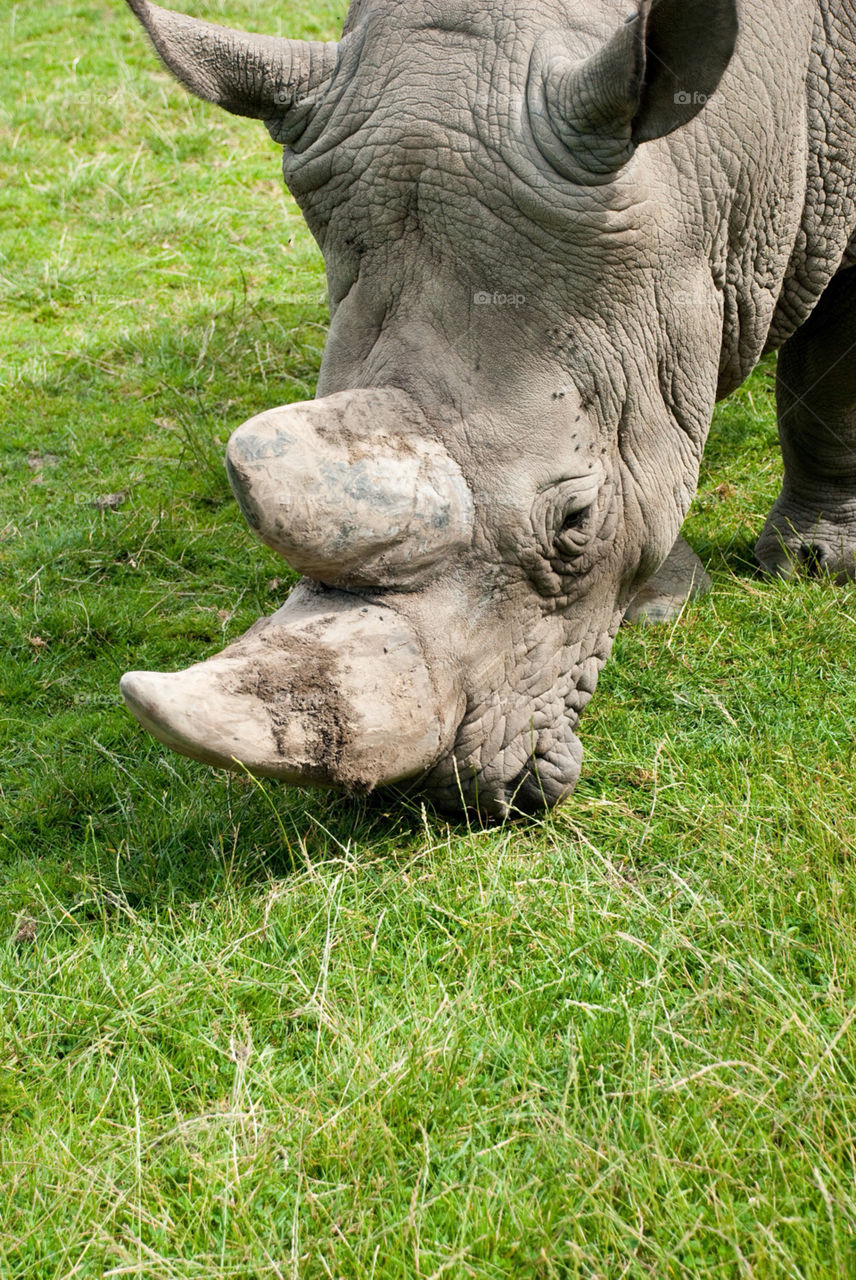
334 691
529 775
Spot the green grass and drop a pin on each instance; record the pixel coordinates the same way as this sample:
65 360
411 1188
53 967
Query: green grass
248 1031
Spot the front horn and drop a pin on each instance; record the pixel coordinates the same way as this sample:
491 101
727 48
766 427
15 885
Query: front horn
249 75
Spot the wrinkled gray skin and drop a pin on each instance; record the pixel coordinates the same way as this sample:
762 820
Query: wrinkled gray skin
483 487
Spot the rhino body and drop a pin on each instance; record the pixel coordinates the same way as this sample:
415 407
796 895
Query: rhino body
554 235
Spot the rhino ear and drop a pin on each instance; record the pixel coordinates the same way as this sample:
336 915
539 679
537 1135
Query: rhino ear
654 75
264 77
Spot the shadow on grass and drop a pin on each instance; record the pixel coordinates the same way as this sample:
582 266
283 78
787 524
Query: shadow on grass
120 822
733 556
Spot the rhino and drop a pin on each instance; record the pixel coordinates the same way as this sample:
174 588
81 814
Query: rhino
555 235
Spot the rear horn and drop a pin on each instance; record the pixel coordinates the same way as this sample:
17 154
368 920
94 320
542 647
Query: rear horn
352 489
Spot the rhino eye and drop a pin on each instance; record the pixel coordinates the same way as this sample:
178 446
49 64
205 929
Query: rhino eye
572 534
565 517
574 520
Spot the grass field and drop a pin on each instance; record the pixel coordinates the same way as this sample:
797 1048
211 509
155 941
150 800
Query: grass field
248 1031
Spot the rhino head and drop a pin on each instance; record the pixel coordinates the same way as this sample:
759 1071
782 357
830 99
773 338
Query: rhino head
505 440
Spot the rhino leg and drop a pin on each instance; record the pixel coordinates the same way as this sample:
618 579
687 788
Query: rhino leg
811 529
680 577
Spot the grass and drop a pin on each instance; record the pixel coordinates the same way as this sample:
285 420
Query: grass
248 1031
